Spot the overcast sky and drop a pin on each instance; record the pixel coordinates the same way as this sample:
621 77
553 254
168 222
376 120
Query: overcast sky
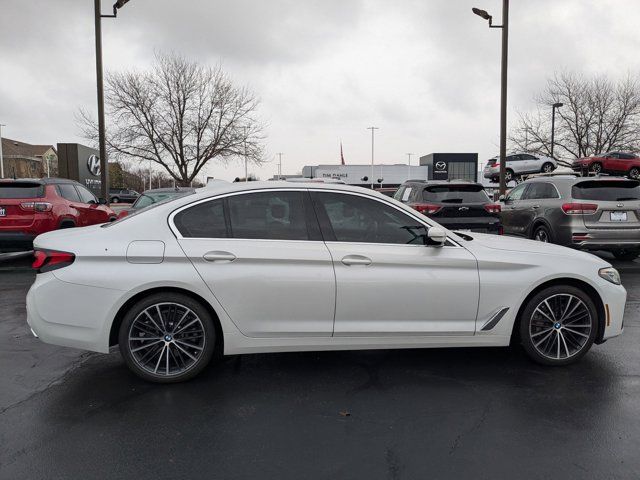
426 72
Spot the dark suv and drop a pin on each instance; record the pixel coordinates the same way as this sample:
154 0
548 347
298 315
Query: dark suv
588 213
123 195
455 204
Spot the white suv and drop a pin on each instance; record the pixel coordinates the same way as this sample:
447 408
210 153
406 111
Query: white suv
519 164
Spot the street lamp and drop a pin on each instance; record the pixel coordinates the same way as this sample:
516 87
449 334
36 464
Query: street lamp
373 129
553 123
104 166
1 157
279 165
409 163
503 84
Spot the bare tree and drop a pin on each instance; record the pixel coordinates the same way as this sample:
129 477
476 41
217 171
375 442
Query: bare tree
598 115
178 115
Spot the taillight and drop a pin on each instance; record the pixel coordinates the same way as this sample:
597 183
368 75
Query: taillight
500 230
579 208
36 206
427 208
47 260
493 208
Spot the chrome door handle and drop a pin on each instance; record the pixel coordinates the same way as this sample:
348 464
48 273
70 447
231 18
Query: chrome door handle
535 207
218 256
356 260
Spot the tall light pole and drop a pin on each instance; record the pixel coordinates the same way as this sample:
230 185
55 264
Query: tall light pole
503 85
279 164
1 157
553 124
104 166
373 129
409 163
246 175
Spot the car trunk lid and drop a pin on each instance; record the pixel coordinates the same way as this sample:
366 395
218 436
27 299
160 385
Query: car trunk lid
14 197
617 200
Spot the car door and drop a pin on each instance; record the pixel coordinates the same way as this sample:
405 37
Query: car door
388 282
514 162
529 206
89 208
511 209
262 256
611 162
530 164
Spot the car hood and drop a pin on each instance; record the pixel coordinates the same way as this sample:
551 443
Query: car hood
514 244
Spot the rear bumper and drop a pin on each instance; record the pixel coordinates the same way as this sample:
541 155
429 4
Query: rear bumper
11 240
607 239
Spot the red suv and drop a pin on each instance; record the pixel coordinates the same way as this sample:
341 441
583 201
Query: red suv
31 207
620 163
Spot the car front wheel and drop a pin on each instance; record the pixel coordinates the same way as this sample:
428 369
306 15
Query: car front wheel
115 200
167 338
596 168
548 167
558 325
634 173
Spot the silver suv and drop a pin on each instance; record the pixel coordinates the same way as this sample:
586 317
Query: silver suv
588 213
519 164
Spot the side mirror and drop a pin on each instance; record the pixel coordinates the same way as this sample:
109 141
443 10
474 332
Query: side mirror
437 236
102 201
502 198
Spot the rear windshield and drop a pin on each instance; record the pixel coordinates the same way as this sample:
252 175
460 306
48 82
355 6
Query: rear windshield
21 190
455 194
607 190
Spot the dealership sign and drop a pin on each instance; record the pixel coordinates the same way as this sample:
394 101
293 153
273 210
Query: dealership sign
80 163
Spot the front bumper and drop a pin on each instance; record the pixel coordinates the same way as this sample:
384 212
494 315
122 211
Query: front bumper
614 298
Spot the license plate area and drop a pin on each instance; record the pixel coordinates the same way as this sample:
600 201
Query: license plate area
618 216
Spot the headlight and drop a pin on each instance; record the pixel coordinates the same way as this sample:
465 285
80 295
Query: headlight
610 274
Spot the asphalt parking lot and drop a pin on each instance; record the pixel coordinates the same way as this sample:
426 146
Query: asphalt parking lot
455 413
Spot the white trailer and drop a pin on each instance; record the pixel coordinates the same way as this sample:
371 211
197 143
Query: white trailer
383 175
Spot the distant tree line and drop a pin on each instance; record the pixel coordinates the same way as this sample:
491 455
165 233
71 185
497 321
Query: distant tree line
599 114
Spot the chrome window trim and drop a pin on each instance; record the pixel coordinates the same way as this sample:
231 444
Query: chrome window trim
179 236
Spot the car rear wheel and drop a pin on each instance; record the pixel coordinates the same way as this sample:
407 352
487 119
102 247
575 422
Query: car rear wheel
167 338
596 168
624 254
115 200
508 175
541 234
634 173
558 325
548 167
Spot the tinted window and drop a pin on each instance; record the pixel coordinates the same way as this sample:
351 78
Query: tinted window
455 194
538 191
529 157
268 215
516 193
627 156
205 220
399 193
147 199
69 192
85 195
513 158
613 191
357 219
21 190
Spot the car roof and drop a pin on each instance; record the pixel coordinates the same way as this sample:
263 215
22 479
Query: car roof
42 181
170 190
573 179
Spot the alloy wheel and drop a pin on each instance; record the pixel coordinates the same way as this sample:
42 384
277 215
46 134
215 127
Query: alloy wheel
166 339
596 168
548 168
541 235
634 173
560 326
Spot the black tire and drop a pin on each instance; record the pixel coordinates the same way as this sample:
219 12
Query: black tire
115 200
201 354
595 168
536 338
634 173
547 168
624 254
67 224
509 175
541 233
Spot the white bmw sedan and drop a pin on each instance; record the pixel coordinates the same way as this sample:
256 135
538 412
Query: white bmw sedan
273 267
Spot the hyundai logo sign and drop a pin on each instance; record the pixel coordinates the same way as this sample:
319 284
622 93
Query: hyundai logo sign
93 164
441 166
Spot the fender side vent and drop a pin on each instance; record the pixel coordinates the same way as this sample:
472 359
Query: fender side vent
493 321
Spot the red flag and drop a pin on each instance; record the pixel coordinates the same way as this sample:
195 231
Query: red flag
341 154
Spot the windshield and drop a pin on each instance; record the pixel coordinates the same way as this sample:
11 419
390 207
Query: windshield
607 190
21 190
455 194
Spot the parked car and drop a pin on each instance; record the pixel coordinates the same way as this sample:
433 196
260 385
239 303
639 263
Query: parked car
30 207
519 164
617 163
388 191
587 213
274 266
456 204
149 197
123 195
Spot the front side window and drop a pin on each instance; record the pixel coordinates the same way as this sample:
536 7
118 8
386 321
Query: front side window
85 195
352 218
268 215
516 193
68 192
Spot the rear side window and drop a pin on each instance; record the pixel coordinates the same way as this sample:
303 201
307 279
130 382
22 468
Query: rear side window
68 191
205 220
455 194
610 191
85 195
21 190
540 191
268 215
